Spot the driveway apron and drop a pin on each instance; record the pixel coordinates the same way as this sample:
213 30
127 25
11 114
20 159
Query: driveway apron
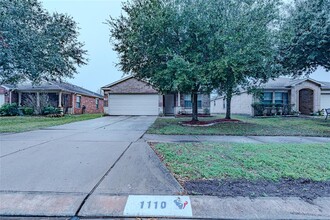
52 172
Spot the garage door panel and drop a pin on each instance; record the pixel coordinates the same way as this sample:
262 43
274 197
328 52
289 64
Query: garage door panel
133 104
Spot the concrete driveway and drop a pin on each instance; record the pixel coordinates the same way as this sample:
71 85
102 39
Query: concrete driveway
54 171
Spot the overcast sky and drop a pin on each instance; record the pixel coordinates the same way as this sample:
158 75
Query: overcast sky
90 16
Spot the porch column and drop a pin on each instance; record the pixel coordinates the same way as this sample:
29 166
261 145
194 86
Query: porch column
38 99
179 100
60 100
19 99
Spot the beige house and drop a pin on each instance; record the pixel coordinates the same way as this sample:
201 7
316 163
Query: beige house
130 96
306 95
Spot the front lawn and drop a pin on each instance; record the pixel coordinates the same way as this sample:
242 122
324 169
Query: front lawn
191 161
251 170
278 126
27 123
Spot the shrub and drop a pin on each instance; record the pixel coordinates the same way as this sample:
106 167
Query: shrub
261 109
9 110
50 110
28 111
258 109
206 111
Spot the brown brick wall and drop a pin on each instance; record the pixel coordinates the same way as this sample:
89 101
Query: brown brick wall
89 102
130 86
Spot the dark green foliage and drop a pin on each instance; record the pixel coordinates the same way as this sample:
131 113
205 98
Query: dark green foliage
36 45
261 109
9 110
28 111
50 110
305 38
195 46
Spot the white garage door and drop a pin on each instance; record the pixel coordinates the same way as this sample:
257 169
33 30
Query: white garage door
2 99
133 104
325 101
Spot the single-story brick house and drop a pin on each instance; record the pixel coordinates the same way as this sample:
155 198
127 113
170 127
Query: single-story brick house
306 95
73 99
131 96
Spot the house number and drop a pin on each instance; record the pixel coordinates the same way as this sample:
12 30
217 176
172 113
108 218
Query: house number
154 205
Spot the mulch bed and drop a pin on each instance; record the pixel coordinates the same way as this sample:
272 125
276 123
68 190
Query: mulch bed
209 123
303 188
190 115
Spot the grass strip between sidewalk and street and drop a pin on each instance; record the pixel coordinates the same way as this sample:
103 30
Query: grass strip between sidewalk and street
193 161
274 126
28 123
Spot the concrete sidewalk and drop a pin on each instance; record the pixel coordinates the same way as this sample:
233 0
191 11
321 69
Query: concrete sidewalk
234 139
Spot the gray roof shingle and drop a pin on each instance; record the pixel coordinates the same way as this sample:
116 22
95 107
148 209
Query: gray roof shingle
57 86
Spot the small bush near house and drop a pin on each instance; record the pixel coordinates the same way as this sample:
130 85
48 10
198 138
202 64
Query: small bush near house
50 110
9 110
261 109
28 111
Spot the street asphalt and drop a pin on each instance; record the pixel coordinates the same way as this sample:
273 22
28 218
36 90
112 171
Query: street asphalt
92 169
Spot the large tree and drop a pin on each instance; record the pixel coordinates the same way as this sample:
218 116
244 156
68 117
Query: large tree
195 46
305 39
35 45
248 31
167 43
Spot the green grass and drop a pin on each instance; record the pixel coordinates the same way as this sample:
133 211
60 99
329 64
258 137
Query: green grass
191 161
27 123
287 126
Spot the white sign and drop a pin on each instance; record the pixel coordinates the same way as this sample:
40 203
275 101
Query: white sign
158 206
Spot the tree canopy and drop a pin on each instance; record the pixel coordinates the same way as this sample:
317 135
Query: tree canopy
195 46
248 31
35 45
305 38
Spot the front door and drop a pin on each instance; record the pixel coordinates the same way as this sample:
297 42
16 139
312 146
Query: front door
169 104
306 101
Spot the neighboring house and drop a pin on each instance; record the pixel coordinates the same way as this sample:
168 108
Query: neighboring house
306 95
73 99
130 96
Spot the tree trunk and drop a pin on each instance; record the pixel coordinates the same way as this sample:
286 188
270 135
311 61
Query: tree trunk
228 102
194 100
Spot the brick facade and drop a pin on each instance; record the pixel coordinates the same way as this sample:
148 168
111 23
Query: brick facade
89 103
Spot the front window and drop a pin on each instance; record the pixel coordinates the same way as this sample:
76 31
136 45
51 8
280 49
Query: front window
78 101
281 98
267 98
97 103
188 103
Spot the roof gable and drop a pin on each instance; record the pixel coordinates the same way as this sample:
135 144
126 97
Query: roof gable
287 83
130 85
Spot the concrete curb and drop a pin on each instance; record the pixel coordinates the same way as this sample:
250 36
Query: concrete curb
208 207
39 203
203 207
